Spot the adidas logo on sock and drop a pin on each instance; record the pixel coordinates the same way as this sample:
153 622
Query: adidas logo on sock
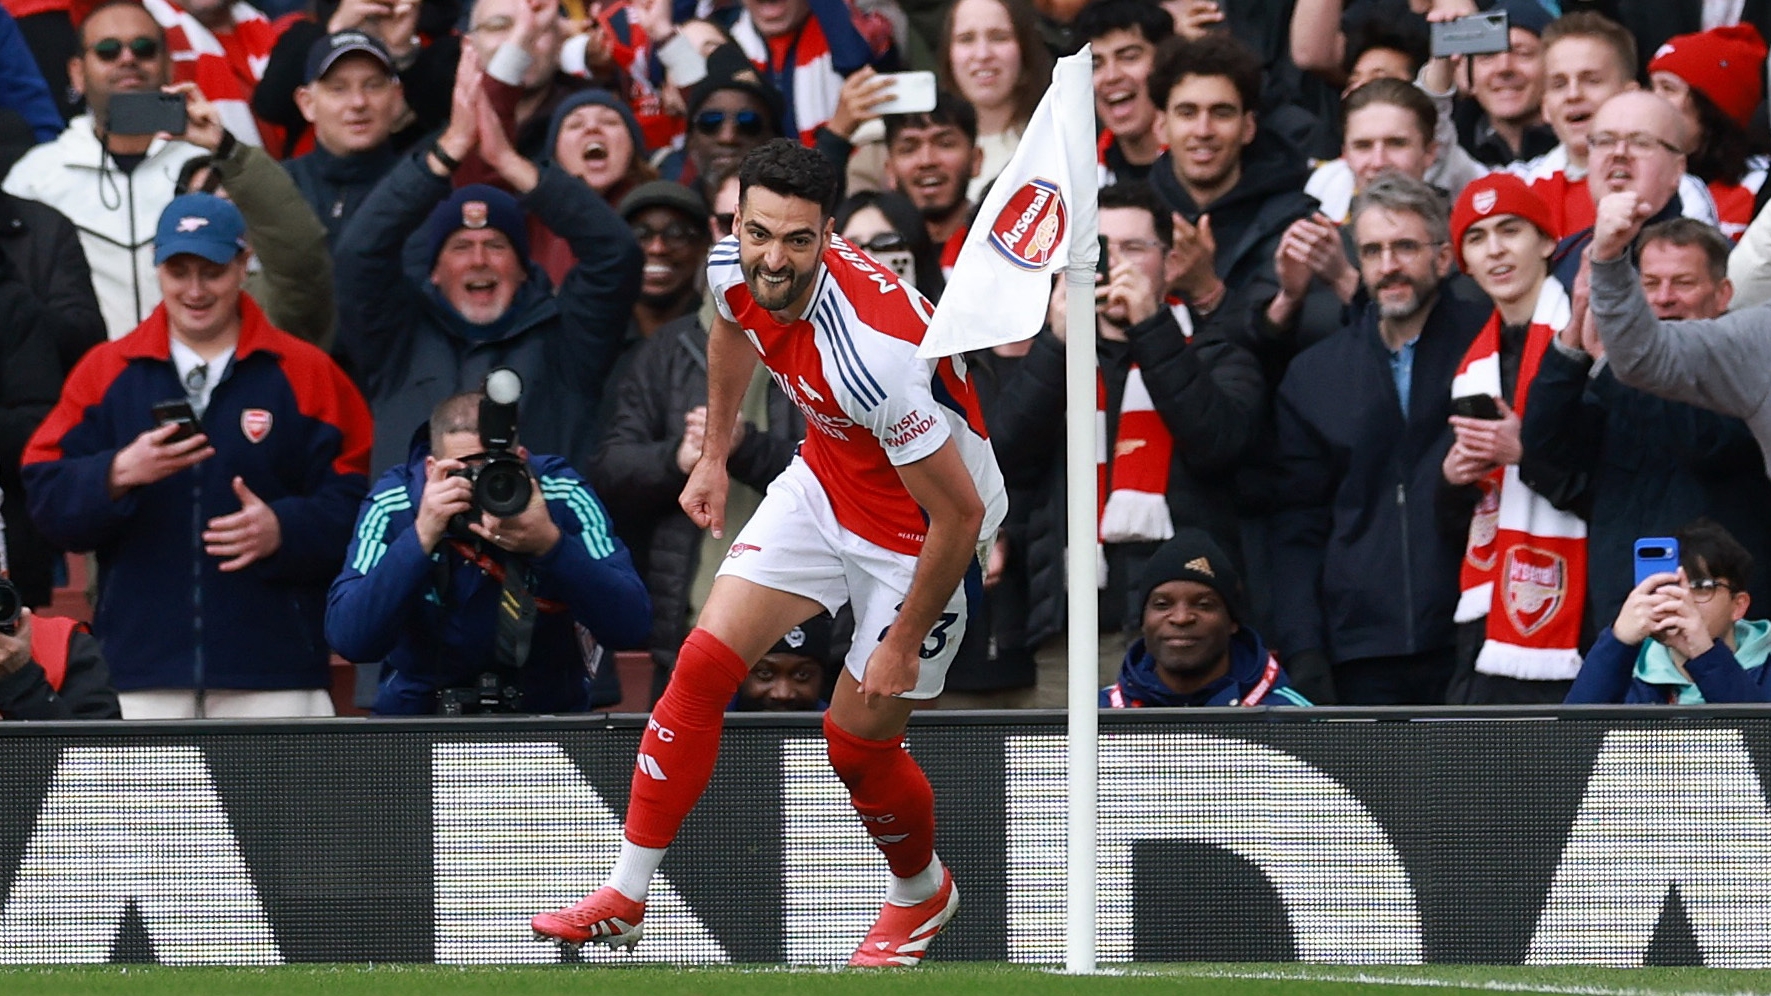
649 764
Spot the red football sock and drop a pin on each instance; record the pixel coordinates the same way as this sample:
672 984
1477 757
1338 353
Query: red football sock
682 739
891 794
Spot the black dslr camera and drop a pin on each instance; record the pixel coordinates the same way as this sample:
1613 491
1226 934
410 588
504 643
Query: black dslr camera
500 478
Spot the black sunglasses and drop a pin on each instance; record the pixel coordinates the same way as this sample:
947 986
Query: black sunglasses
109 49
749 123
885 242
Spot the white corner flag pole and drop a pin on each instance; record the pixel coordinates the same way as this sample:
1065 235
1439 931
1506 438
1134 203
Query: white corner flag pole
1074 79
1042 213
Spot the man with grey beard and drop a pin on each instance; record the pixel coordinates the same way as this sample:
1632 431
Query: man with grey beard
1365 578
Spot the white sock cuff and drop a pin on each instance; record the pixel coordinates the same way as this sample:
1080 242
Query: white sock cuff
634 869
917 888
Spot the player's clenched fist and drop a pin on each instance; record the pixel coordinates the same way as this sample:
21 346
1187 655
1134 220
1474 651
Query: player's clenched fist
704 497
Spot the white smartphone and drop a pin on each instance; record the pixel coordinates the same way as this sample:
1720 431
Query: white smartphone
912 93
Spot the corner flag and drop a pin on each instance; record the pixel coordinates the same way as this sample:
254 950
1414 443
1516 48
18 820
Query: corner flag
1038 218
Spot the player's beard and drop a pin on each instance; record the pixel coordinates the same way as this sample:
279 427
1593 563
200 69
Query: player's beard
773 296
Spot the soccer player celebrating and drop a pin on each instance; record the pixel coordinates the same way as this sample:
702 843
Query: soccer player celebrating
886 505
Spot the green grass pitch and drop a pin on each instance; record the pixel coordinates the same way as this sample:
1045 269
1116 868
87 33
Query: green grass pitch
930 980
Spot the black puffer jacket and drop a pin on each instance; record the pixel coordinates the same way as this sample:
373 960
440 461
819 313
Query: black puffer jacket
1209 394
1248 221
636 475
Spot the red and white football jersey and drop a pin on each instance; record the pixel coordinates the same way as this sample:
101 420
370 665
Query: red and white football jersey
849 363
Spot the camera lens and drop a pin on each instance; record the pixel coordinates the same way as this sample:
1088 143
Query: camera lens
503 488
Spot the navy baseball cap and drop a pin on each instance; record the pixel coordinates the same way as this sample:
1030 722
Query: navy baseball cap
328 50
200 224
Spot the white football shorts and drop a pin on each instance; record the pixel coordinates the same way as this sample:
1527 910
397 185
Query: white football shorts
794 544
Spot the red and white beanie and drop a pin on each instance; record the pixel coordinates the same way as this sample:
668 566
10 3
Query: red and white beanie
1492 196
1725 64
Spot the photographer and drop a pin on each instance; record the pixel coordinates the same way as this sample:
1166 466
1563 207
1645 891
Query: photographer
436 621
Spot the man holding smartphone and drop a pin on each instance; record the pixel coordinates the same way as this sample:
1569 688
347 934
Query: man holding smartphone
214 550
110 174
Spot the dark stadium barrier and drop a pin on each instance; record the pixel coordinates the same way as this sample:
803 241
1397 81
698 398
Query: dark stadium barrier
1606 836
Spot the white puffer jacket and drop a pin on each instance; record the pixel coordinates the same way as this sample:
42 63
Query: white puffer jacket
115 212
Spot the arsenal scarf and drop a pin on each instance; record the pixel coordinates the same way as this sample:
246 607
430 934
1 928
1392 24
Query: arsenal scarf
1525 563
1132 481
225 68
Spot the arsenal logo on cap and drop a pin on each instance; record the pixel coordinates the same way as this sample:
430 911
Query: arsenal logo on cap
473 214
1484 200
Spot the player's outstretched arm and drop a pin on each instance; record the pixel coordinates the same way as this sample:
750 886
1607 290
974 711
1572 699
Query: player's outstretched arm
940 484
730 360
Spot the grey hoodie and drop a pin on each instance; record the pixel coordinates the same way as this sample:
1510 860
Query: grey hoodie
1723 364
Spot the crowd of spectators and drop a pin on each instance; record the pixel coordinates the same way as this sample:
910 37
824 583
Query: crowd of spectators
1399 353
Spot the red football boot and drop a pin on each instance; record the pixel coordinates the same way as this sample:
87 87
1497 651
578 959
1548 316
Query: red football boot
902 934
603 917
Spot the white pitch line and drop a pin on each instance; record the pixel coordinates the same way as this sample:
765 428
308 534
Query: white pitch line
1490 986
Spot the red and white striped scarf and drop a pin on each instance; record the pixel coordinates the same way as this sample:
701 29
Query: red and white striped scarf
1131 479
1734 201
1525 566
226 68
804 56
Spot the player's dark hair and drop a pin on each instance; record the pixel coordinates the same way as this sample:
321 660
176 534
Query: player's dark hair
950 109
1101 16
1707 550
1691 232
1216 54
1138 194
790 169
1397 93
